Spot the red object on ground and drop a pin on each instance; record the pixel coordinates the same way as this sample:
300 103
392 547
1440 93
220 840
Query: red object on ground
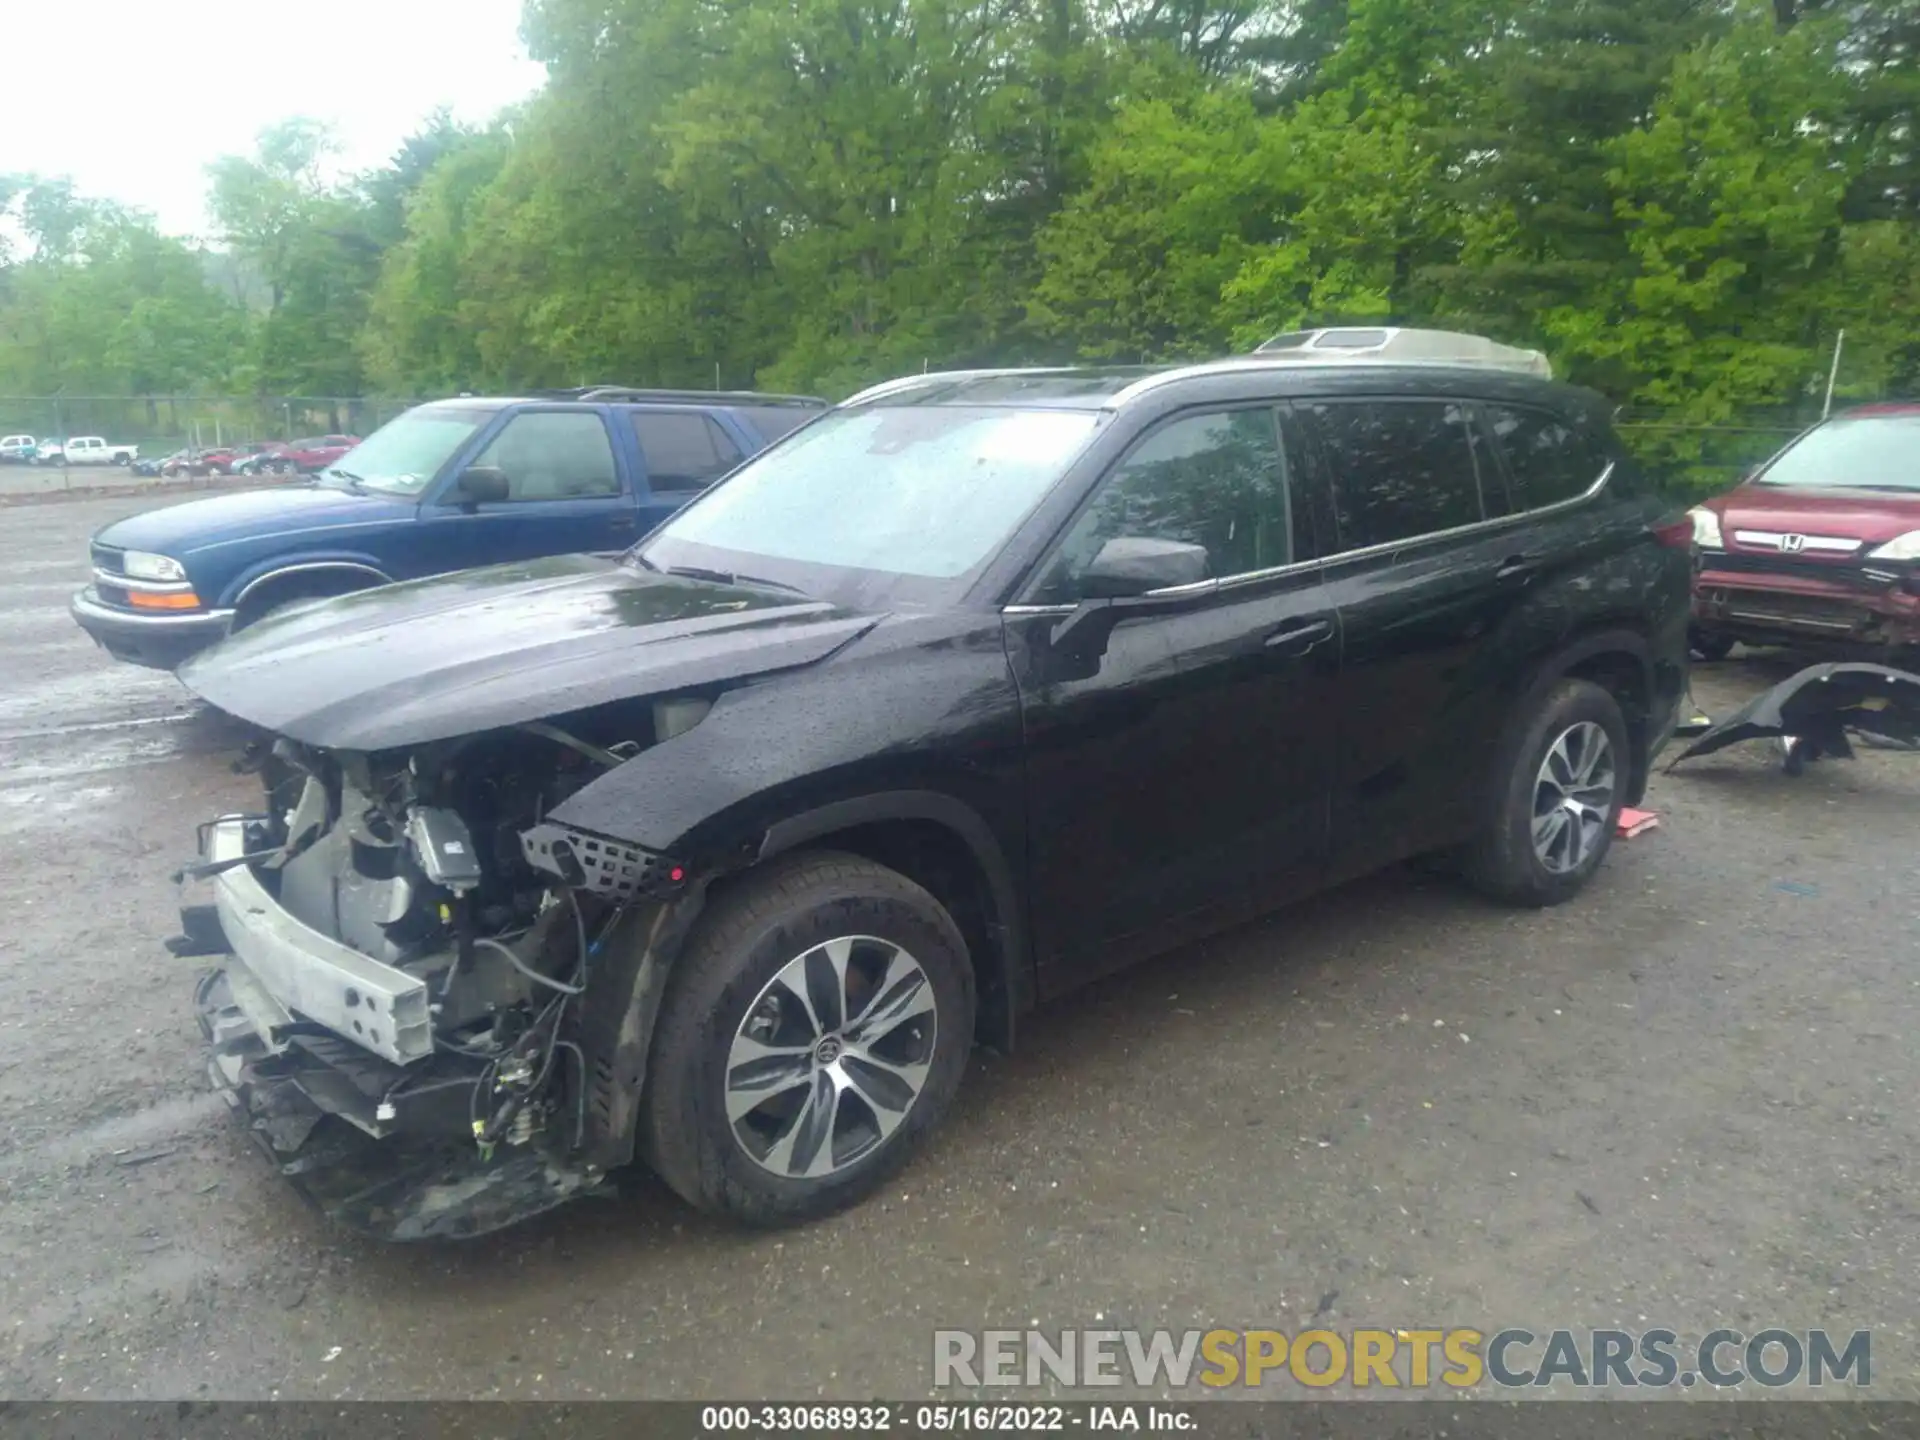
1635 822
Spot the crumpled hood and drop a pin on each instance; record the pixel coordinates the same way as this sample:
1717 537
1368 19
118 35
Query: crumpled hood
479 649
179 530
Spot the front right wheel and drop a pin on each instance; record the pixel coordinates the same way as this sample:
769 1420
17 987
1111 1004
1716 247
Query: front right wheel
1561 780
815 1028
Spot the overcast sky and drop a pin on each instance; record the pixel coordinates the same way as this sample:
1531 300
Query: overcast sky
132 98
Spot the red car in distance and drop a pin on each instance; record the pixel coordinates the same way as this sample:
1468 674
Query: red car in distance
1821 544
316 452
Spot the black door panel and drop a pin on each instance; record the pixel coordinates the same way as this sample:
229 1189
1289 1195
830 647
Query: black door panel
1421 584
1420 709
1177 744
1187 776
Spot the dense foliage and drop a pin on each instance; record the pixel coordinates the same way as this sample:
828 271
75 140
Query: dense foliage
1681 202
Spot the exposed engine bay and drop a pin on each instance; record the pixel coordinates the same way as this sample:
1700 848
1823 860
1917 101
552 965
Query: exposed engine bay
410 941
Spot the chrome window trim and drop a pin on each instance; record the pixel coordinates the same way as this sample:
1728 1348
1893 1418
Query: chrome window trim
259 580
1478 526
1251 577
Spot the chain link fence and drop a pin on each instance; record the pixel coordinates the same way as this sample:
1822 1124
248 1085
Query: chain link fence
1693 461
161 424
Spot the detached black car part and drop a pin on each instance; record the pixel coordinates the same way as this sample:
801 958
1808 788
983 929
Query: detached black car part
1812 711
722 854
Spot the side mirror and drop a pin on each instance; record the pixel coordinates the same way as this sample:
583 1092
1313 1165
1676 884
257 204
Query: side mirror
1117 587
1130 565
481 485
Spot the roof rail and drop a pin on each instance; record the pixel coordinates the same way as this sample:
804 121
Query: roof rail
933 377
620 393
1394 344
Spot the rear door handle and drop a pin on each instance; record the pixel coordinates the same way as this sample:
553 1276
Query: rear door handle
1299 639
1515 567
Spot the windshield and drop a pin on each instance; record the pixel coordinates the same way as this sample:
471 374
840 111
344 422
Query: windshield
403 456
923 495
1870 452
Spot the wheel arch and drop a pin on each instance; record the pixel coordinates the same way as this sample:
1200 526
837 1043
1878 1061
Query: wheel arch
944 846
255 587
1620 661
934 839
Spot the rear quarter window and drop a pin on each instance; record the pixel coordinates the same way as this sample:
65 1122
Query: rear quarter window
1550 457
1400 469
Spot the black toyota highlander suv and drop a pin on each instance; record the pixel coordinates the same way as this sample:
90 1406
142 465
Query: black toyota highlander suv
721 854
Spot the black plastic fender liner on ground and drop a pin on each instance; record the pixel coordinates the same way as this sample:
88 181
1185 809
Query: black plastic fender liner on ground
1820 704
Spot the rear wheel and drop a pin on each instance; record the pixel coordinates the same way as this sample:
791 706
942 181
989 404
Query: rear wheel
816 1027
1562 779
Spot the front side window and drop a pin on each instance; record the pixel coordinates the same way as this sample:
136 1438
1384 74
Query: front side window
919 493
554 455
1867 452
683 450
1400 468
1214 480
1549 459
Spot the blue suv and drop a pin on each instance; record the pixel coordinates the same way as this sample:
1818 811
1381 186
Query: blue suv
446 486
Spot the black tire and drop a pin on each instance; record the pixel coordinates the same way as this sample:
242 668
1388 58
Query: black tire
1503 862
1709 646
773 916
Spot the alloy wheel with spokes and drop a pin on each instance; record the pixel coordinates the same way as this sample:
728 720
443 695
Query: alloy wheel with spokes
1573 797
831 1057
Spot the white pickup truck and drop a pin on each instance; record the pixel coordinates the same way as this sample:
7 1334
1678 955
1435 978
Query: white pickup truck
92 450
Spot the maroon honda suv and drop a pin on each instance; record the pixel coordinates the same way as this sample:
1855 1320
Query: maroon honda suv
1821 544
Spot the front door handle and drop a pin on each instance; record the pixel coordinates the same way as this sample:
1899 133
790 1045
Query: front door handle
1299 639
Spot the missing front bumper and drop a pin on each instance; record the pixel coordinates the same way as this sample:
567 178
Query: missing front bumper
399 1170
377 1007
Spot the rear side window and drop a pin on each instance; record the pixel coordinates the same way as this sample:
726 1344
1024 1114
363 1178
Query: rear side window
770 422
1215 480
1400 469
1550 460
684 450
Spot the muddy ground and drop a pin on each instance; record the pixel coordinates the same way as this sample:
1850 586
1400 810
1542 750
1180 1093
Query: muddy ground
1686 1099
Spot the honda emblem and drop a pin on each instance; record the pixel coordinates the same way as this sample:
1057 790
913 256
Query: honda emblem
1793 544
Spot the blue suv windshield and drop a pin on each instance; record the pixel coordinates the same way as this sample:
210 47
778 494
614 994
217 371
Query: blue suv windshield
403 456
923 493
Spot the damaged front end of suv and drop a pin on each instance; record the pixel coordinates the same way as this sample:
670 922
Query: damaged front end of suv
434 996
